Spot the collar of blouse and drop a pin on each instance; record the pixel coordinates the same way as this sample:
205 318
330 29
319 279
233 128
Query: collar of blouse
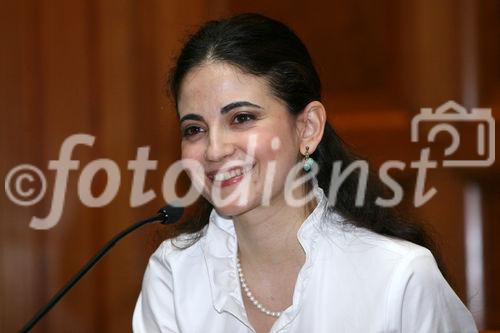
220 248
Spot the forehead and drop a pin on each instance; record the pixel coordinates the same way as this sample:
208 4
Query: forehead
214 85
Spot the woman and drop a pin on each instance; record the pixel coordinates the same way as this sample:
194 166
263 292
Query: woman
271 252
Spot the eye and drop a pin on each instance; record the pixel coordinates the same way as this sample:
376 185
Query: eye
243 117
191 131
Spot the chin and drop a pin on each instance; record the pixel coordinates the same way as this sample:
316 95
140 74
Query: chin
231 210
228 206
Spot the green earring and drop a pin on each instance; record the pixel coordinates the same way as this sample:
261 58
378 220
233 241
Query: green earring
308 161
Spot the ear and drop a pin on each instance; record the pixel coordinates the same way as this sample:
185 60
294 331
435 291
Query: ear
310 126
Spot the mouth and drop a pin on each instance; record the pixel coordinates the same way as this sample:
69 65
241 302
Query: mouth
229 176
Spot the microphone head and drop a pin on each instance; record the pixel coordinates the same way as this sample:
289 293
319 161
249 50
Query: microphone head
171 214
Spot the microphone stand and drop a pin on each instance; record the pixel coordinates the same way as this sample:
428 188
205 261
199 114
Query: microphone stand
163 217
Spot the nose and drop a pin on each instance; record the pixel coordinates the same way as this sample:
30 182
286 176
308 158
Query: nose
219 146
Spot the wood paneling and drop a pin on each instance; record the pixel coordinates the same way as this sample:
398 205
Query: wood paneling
98 67
335 32
489 69
492 251
21 270
94 67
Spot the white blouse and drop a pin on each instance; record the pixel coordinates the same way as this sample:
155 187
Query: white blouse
353 280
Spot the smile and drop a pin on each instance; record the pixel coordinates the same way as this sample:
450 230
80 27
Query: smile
229 175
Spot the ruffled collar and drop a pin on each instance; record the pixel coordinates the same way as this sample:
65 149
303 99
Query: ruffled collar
220 247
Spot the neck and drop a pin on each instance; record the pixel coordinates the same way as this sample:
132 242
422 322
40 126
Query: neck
267 236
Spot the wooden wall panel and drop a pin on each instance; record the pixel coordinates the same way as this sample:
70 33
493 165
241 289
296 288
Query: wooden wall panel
64 80
115 42
99 67
491 211
94 67
20 270
489 77
335 32
489 48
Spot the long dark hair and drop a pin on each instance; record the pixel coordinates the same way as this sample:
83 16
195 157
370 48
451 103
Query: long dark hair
267 48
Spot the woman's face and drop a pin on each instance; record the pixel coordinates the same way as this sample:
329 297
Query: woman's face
237 130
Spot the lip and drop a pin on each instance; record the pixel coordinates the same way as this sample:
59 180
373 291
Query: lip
210 176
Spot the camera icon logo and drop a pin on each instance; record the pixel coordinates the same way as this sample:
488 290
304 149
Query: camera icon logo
450 116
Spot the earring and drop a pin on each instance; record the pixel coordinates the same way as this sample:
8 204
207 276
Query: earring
308 161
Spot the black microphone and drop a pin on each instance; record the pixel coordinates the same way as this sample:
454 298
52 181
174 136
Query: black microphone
166 215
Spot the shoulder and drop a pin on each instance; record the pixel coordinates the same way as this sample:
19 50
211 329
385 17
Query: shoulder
366 245
424 301
418 298
369 261
164 263
155 309
175 250
402 259
401 277
168 264
381 259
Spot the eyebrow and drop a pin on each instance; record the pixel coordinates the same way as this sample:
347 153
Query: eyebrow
223 110
191 116
238 104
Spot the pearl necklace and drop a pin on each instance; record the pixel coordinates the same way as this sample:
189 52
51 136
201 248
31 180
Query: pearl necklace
250 295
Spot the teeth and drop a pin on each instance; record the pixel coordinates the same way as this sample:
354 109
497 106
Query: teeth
230 174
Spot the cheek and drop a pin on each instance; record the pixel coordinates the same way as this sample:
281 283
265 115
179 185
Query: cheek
192 157
192 151
282 152
280 145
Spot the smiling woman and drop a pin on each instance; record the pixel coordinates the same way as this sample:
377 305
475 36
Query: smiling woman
249 103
